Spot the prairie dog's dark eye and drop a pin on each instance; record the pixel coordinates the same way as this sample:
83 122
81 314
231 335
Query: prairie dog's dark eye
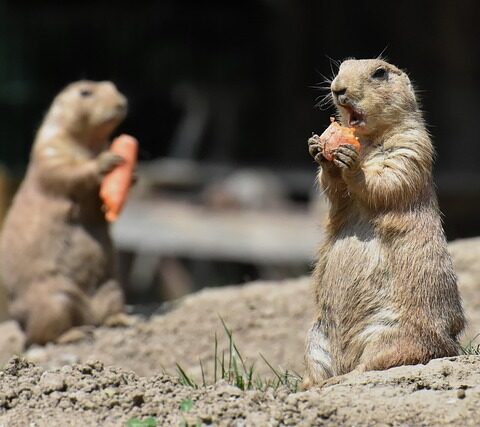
380 73
85 93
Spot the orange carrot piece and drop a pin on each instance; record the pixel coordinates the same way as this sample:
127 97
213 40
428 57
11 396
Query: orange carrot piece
336 135
116 184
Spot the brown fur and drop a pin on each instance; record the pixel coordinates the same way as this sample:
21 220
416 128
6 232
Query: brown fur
385 287
55 249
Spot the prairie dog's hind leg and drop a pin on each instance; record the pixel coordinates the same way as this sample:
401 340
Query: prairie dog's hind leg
318 359
107 301
402 349
50 308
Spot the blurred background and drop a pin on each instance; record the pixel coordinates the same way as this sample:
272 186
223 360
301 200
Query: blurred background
222 98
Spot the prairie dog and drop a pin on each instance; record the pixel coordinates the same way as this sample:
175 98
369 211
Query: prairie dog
55 250
385 288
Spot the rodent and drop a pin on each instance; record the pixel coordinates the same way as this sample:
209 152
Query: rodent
385 288
56 253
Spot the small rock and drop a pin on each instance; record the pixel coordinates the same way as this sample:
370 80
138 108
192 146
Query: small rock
69 358
110 392
206 418
66 370
227 389
95 364
461 394
87 404
120 320
325 413
78 396
36 354
64 404
12 340
51 381
276 414
303 396
11 394
85 369
75 335
16 364
292 400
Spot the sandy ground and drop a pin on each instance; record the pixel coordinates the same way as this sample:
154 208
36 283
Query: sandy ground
444 392
268 318
137 376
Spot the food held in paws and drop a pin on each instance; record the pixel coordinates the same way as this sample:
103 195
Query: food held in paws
116 184
336 135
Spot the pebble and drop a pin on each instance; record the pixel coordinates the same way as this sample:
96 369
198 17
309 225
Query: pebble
12 340
51 381
75 335
36 354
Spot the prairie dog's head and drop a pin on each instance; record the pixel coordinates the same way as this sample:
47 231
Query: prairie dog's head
372 95
87 109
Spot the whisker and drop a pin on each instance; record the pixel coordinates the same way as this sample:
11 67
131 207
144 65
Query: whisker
381 55
324 77
332 63
335 62
325 102
323 87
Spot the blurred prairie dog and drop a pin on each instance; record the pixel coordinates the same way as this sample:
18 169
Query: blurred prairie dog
55 250
385 288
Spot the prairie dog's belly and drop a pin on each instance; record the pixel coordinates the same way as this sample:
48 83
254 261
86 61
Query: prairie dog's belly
356 293
353 258
356 286
39 240
87 258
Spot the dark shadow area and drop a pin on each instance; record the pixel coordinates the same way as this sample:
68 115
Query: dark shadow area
233 84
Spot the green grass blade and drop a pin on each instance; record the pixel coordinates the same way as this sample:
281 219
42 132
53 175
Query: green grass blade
203 373
223 364
184 378
230 344
215 360
272 368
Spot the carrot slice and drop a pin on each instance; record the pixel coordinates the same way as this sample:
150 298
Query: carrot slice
336 135
116 184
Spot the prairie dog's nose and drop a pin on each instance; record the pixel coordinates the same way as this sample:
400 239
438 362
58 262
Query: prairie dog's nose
122 104
340 94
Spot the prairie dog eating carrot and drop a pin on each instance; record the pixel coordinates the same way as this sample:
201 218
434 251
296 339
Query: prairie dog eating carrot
55 251
386 292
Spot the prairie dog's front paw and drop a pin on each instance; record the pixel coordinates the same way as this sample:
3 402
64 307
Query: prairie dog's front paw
346 157
107 161
315 148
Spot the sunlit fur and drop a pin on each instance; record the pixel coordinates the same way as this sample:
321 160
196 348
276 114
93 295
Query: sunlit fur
385 289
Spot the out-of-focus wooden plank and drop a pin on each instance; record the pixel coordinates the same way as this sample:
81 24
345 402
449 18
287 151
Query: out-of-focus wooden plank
182 229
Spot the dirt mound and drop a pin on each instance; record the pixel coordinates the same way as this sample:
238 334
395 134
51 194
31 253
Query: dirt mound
466 257
444 392
268 318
